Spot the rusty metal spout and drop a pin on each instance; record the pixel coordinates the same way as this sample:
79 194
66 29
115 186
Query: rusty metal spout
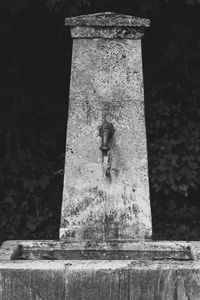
106 131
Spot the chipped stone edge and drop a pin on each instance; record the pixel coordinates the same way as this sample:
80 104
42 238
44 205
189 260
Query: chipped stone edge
107 25
9 249
96 265
107 19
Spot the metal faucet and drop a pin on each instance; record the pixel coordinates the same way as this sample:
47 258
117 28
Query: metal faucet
106 132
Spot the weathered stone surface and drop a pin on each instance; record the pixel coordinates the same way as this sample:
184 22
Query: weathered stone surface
107 19
97 280
107 32
139 279
32 280
106 84
125 280
63 250
107 25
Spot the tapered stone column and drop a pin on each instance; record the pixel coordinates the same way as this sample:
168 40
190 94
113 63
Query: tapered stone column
106 198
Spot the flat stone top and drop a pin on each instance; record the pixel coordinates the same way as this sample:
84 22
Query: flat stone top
107 19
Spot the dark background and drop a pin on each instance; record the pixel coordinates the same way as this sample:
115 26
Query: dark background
35 54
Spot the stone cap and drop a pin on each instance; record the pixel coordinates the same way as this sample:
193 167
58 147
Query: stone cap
107 25
107 19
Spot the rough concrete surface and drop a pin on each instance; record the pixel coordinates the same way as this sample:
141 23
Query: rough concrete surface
106 85
115 250
107 32
107 25
21 280
107 19
139 279
99 280
133 280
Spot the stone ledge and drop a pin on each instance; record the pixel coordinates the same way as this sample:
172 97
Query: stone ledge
112 250
107 19
107 25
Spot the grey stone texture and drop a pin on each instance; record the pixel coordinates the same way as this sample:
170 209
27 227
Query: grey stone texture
32 281
170 276
106 85
107 32
115 250
125 280
107 25
107 19
99 280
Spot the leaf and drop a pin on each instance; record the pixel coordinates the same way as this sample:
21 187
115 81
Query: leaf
183 187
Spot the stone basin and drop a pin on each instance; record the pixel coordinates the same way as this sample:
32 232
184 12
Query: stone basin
113 250
40 270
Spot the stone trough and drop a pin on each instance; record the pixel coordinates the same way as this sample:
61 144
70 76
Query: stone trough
137 270
105 249
62 250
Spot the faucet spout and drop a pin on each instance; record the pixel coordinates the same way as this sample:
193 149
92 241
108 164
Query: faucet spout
106 131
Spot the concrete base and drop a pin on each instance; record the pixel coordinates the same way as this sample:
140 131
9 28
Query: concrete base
39 270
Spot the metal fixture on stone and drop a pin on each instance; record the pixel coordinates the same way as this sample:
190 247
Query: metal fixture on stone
106 131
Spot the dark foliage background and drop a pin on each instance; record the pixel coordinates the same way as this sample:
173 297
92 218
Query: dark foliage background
35 52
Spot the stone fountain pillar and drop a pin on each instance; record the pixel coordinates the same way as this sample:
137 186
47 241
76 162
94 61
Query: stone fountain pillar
104 251
111 202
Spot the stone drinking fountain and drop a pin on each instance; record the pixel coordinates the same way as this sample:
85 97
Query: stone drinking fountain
105 249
